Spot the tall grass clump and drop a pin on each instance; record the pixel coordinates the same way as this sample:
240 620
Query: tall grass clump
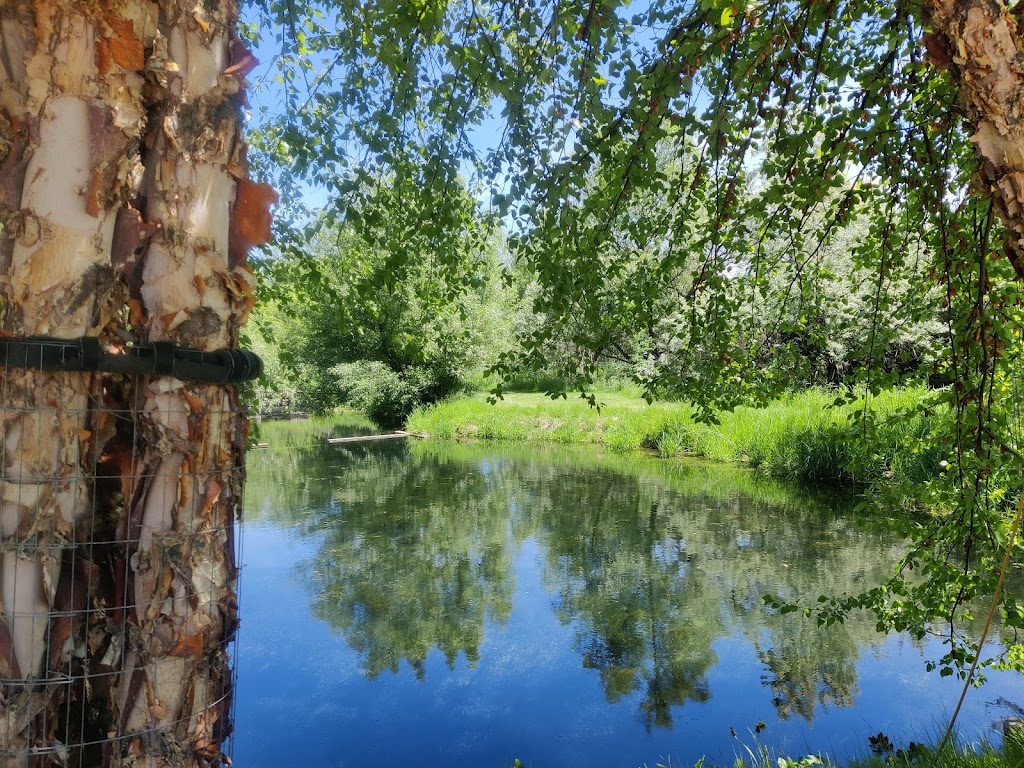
809 437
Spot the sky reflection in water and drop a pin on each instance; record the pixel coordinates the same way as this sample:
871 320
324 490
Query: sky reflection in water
463 606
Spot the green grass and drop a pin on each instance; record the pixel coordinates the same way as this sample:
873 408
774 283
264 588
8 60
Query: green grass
914 756
622 422
885 754
801 437
984 755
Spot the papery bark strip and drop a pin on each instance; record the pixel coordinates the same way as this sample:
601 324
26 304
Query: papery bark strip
119 161
979 42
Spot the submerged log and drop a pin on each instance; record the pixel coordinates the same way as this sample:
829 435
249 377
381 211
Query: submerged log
396 435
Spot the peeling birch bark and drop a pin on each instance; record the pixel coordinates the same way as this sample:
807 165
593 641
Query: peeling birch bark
182 571
120 156
979 41
56 283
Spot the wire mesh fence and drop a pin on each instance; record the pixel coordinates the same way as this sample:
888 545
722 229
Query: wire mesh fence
118 500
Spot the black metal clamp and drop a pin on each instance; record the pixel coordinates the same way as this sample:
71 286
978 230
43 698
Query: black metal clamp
160 358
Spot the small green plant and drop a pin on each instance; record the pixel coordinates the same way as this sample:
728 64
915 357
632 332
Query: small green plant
880 744
803 762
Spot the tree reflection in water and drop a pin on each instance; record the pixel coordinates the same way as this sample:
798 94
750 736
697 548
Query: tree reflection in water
649 562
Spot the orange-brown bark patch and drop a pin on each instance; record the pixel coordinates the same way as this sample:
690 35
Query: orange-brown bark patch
103 57
250 219
196 432
243 316
189 646
183 491
195 403
125 48
213 489
136 315
92 202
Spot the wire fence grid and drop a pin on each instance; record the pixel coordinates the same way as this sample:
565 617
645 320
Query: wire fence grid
118 579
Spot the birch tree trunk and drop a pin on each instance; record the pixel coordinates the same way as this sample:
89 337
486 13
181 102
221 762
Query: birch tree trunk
126 216
979 42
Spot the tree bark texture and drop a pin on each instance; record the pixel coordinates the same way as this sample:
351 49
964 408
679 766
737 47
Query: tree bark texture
979 42
126 215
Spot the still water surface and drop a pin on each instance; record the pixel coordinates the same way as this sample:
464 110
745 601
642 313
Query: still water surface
437 605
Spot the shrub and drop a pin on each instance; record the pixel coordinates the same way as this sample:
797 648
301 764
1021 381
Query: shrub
386 396
376 390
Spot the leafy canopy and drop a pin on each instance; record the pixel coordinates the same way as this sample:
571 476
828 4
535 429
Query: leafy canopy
349 332
769 126
765 124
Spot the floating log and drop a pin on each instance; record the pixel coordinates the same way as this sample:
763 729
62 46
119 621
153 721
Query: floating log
396 435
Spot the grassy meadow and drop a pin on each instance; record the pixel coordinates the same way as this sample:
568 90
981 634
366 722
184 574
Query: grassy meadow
802 437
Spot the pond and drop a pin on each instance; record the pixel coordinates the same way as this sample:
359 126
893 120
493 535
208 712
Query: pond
442 605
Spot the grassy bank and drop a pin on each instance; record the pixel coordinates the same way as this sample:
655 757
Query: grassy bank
984 755
914 756
801 437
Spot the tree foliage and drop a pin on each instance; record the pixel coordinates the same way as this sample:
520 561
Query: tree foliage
770 127
767 127
341 328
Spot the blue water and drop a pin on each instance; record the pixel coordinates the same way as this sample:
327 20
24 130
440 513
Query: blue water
524 686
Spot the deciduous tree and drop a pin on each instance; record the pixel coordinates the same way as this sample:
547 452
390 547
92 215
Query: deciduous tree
121 166
902 114
127 215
